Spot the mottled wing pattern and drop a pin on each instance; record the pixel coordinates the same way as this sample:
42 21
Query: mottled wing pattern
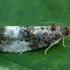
25 38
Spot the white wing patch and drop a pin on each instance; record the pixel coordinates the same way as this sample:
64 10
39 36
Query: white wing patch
12 31
17 46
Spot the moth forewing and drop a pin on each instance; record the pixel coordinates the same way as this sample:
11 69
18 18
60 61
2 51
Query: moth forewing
26 38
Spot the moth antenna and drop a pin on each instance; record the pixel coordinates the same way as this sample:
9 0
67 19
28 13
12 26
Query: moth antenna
54 22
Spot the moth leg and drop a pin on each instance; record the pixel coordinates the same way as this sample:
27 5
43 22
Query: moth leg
62 39
63 42
52 45
20 53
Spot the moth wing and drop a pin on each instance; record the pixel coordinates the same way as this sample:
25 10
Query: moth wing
16 46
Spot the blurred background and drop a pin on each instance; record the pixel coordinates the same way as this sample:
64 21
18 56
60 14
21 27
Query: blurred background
30 12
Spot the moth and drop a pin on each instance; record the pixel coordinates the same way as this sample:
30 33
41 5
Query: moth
26 38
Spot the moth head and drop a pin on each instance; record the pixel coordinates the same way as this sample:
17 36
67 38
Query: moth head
65 31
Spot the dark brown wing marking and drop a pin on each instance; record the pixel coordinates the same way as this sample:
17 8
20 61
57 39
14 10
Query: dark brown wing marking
42 28
53 27
33 45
